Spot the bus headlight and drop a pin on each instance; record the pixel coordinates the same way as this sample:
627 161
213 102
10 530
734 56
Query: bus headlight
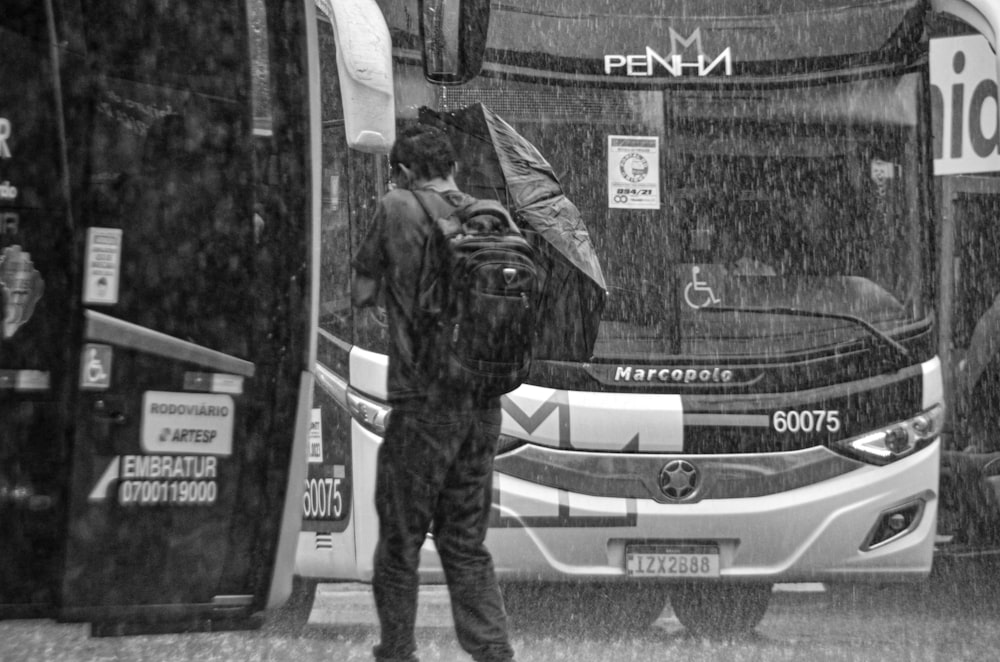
895 441
371 414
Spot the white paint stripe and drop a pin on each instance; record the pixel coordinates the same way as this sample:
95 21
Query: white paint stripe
535 413
650 422
100 491
611 421
799 587
585 505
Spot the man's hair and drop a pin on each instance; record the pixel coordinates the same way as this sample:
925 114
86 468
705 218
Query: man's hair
424 149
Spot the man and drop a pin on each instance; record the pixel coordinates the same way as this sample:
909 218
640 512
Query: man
435 465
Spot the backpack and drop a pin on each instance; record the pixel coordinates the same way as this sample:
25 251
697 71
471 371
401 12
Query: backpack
476 298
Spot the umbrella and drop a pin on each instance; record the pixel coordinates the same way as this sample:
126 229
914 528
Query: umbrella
497 162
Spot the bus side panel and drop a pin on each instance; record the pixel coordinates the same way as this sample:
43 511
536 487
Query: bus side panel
326 544
156 495
328 503
182 460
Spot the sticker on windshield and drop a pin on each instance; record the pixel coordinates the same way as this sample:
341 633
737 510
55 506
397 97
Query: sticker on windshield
633 172
316 436
103 264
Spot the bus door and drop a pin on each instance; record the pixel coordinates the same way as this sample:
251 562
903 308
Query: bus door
970 351
970 314
354 176
327 498
157 280
38 341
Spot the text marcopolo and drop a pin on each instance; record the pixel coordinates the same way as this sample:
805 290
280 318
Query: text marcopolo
680 375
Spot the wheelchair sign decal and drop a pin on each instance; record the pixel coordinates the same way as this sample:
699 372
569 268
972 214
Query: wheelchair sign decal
698 293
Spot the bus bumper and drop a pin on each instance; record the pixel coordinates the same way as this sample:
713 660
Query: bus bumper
813 533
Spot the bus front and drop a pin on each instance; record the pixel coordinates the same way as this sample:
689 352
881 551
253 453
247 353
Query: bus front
761 399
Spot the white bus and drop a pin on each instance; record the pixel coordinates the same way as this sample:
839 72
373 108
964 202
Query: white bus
747 388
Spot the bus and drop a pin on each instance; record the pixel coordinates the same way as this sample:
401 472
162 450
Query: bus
158 274
748 389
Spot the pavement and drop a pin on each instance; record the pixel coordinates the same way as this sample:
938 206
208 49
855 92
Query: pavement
351 604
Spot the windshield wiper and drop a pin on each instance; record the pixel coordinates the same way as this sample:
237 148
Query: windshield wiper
902 354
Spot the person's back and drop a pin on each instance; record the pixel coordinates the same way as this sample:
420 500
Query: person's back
435 465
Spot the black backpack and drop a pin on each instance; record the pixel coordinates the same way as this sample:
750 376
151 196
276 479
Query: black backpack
476 298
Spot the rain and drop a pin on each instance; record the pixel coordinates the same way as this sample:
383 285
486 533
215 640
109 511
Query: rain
760 421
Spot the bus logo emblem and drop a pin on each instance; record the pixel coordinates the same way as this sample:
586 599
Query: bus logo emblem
648 63
22 287
679 480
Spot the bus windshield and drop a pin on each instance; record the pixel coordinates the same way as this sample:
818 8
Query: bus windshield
750 199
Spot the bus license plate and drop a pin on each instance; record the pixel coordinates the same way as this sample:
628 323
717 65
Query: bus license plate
670 561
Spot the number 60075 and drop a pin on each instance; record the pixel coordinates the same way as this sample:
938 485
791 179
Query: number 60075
809 420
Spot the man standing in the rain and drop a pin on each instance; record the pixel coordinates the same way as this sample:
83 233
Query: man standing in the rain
435 465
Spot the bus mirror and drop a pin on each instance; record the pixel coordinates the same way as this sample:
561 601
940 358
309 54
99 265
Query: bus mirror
453 33
364 65
983 15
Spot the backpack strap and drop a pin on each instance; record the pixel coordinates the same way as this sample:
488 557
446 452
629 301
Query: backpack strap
433 263
444 210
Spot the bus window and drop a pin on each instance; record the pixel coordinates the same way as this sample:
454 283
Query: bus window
352 182
336 312
166 146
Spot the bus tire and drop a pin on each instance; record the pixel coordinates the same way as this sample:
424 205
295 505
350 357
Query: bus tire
720 611
597 607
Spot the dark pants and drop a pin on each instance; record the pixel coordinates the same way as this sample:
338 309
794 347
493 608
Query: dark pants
435 473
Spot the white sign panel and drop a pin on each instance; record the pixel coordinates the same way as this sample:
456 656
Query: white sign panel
633 172
103 266
316 436
187 423
964 92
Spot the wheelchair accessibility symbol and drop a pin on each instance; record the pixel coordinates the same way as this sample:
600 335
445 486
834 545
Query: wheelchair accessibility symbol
95 366
698 293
